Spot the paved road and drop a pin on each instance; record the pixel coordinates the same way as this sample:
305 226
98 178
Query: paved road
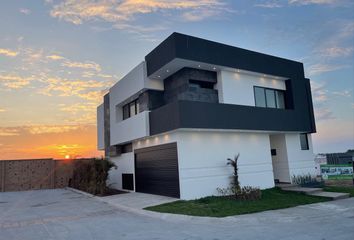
63 214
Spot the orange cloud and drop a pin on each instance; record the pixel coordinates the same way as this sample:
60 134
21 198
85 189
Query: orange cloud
80 113
5 132
85 65
121 13
14 81
86 89
8 52
41 129
55 57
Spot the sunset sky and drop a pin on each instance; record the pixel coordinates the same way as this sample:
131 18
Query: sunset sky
57 58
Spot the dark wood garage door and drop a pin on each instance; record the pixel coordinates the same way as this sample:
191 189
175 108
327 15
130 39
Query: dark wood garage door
156 170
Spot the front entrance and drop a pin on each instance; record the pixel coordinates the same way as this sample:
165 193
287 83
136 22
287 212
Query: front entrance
156 170
279 158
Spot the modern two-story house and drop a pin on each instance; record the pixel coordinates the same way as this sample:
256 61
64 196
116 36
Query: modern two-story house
171 123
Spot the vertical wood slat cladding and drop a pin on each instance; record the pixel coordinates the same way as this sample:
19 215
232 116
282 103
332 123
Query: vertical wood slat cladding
156 170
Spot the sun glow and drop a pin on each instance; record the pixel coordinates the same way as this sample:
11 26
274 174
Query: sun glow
67 156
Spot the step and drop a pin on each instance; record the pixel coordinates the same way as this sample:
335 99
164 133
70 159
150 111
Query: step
285 185
302 189
332 195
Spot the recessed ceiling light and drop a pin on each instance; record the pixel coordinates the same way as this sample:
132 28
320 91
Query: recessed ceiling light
167 70
198 65
158 76
214 68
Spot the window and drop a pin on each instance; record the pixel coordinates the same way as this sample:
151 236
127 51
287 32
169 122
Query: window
259 96
280 99
126 112
304 141
131 109
201 84
270 98
127 148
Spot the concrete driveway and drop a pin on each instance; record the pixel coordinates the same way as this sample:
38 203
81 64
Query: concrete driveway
63 214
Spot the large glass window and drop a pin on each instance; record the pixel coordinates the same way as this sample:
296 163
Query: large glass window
260 97
304 142
270 98
126 112
130 109
280 98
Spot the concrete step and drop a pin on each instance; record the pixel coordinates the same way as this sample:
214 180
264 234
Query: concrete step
285 185
332 195
302 189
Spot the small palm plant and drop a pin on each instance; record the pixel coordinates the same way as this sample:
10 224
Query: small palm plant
233 163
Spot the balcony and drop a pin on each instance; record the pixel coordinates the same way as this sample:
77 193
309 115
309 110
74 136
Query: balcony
201 115
130 129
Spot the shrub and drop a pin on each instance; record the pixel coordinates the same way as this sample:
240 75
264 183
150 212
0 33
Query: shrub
307 180
244 193
235 191
91 175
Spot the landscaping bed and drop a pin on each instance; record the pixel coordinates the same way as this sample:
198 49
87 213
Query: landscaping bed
274 198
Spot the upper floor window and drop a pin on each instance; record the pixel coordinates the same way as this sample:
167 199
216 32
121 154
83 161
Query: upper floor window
270 98
130 109
304 142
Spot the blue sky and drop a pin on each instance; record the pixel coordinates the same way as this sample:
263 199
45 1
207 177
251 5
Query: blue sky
58 57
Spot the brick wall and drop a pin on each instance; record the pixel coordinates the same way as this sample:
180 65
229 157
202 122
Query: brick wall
21 175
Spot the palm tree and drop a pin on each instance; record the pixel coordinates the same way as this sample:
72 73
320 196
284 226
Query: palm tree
233 163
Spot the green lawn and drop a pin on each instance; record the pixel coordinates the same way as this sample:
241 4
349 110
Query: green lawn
221 207
340 189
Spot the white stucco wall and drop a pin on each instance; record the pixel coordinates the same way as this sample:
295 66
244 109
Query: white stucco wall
280 160
100 127
300 161
130 129
125 164
202 159
237 88
124 90
131 84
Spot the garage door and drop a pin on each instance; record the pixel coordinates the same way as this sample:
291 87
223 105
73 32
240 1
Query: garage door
156 170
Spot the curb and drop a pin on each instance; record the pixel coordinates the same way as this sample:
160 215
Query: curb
147 213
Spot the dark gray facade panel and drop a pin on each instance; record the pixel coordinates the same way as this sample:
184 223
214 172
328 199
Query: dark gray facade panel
196 49
186 84
311 114
156 170
298 93
150 99
106 124
189 114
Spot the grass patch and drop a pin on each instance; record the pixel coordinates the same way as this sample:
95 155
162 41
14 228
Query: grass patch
349 190
274 198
